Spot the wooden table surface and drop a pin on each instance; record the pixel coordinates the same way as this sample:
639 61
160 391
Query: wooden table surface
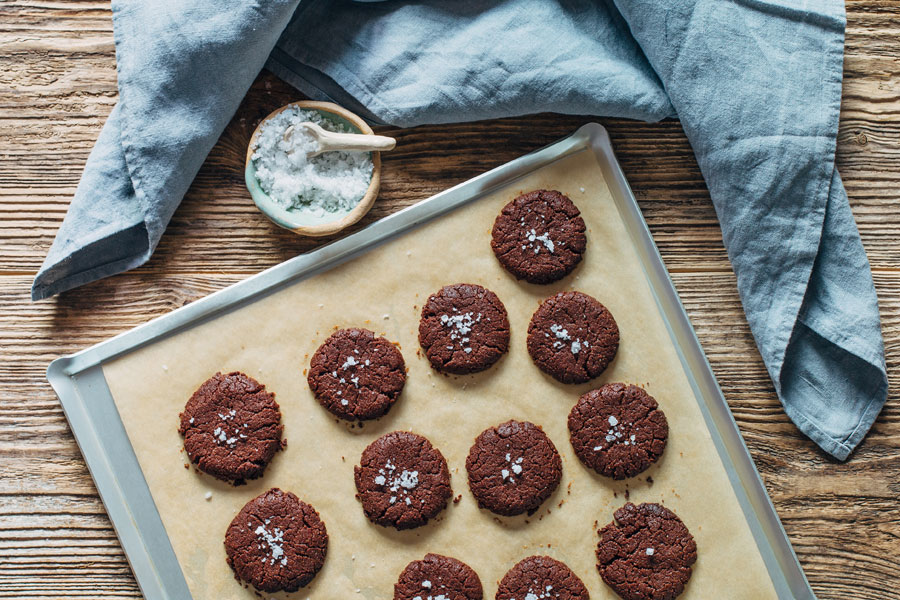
58 83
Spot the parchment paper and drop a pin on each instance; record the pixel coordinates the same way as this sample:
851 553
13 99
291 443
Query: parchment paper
383 290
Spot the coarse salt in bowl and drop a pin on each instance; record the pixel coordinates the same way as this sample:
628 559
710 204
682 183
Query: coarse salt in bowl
311 196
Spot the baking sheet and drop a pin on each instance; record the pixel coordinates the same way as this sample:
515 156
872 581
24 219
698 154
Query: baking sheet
272 339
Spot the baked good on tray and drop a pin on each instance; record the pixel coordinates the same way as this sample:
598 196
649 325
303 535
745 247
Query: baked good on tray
276 542
513 468
357 375
438 577
402 480
541 578
572 337
231 427
279 543
646 553
539 236
463 329
618 430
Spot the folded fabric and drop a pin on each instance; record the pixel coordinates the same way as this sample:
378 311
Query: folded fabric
755 83
183 68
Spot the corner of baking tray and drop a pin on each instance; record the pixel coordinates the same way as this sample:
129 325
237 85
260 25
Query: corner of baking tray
58 373
593 133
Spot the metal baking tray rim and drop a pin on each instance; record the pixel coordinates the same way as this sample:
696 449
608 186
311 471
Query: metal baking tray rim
81 387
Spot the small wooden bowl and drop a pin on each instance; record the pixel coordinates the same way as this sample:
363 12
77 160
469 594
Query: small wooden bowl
301 222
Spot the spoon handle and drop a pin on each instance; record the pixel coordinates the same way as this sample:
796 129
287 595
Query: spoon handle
330 141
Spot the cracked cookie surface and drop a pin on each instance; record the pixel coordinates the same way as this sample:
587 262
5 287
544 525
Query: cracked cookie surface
438 577
231 427
618 430
572 337
357 375
276 542
646 553
402 480
513 468
464 329
539 236
541 578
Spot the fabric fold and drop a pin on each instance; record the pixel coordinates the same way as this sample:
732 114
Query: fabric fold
767 152
183 68
833 381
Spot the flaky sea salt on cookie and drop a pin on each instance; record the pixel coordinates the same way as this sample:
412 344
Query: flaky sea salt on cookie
618 430
276 542
438 577
572 337
513 468
357 375
539 236
231 427
463 329
646 553
402 481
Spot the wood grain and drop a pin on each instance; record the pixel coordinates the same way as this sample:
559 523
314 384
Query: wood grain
57 84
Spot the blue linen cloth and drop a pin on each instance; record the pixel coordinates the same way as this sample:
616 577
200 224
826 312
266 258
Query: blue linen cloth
755 83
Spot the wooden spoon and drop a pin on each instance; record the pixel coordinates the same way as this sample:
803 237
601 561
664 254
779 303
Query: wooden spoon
329 141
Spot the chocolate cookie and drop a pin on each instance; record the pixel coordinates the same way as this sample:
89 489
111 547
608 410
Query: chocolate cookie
646 553
513 468
402 480
231 427
356 375
539 236
276 542
464 329
618 430
572 337
540 578
438 577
